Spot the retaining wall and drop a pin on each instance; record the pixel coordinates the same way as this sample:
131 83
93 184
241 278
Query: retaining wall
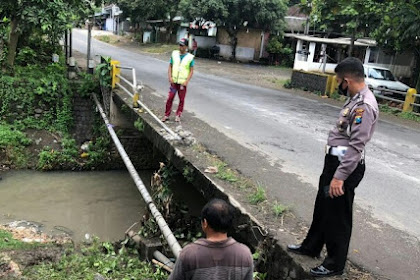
314 81
278 263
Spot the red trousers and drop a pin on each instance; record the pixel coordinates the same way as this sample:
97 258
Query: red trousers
182 92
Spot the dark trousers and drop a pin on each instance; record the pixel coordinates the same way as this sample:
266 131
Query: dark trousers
182 92
333 217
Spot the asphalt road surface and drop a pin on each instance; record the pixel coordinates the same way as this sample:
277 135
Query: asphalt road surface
292 131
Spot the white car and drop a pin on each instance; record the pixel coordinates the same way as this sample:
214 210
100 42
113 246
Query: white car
378 79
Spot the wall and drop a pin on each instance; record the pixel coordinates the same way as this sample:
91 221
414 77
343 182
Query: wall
313 81
249 43
141 151
147 36
109 24
205 42
83 116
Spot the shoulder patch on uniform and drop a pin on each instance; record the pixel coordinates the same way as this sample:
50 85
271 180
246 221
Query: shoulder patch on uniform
359 111
346 112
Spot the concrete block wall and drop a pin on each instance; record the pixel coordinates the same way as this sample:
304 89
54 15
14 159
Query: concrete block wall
311 81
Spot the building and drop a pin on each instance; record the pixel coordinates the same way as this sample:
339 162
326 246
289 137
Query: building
309 55
109 19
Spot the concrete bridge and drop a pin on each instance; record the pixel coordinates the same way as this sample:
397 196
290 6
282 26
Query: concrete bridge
276 137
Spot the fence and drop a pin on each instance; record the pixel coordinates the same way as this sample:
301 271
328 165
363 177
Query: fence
134 93
408 102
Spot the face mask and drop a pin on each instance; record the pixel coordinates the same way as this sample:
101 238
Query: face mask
343 91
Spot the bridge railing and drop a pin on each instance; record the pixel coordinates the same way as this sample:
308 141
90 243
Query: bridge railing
134 92
407 98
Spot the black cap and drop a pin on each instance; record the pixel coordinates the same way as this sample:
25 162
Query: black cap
183 42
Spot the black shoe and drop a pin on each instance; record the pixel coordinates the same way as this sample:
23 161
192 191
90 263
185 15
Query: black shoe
321 271
297 249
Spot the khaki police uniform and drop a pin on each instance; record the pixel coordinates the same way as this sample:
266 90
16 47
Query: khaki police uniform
344 160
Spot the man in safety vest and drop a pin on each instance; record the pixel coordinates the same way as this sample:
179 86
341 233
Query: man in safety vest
180 71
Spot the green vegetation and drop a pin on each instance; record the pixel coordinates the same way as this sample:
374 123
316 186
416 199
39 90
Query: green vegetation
410 116
7 242
288 84
279 209
44 19
37 96
12 144
103 71
259 276
226 173
104 38
139 124
188 173
336 96
159 48
280 54
98 258
232 15
384 108
88 84
258 196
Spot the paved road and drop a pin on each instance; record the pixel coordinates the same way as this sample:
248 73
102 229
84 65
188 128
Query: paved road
291 131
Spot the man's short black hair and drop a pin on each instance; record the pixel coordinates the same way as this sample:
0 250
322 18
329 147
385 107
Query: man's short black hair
351 67
218 214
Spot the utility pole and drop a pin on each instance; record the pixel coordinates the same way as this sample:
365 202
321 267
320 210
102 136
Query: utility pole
324 57
71 43
89 43
66 48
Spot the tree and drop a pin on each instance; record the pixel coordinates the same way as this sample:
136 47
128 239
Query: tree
237 14
399 30
49 17
139 11
357 18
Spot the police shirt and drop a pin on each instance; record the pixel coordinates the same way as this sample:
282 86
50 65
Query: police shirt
354 128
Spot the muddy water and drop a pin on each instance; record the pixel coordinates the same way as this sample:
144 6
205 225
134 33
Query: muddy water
104 204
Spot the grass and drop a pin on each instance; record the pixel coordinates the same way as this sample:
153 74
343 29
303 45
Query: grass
110 39
12 144
99 258
226 173
139 124
336 96
384 108
258 196
7 242
410 116
279 209
188 174
279 82
158 48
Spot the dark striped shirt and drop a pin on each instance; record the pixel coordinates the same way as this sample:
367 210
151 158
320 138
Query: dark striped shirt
206 260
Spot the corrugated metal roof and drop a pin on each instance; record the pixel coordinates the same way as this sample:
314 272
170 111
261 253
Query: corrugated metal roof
364 42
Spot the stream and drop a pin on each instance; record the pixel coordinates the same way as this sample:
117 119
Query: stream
102 204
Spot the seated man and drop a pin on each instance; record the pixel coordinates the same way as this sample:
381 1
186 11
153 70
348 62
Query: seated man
218 256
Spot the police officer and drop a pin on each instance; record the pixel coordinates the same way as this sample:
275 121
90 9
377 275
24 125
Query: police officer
344 168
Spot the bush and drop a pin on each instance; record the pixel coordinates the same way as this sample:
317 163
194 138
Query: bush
50 159
280 54
12 143
34 88
288 84
98 258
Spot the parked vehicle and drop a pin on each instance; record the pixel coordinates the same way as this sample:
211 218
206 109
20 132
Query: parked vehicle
380 79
